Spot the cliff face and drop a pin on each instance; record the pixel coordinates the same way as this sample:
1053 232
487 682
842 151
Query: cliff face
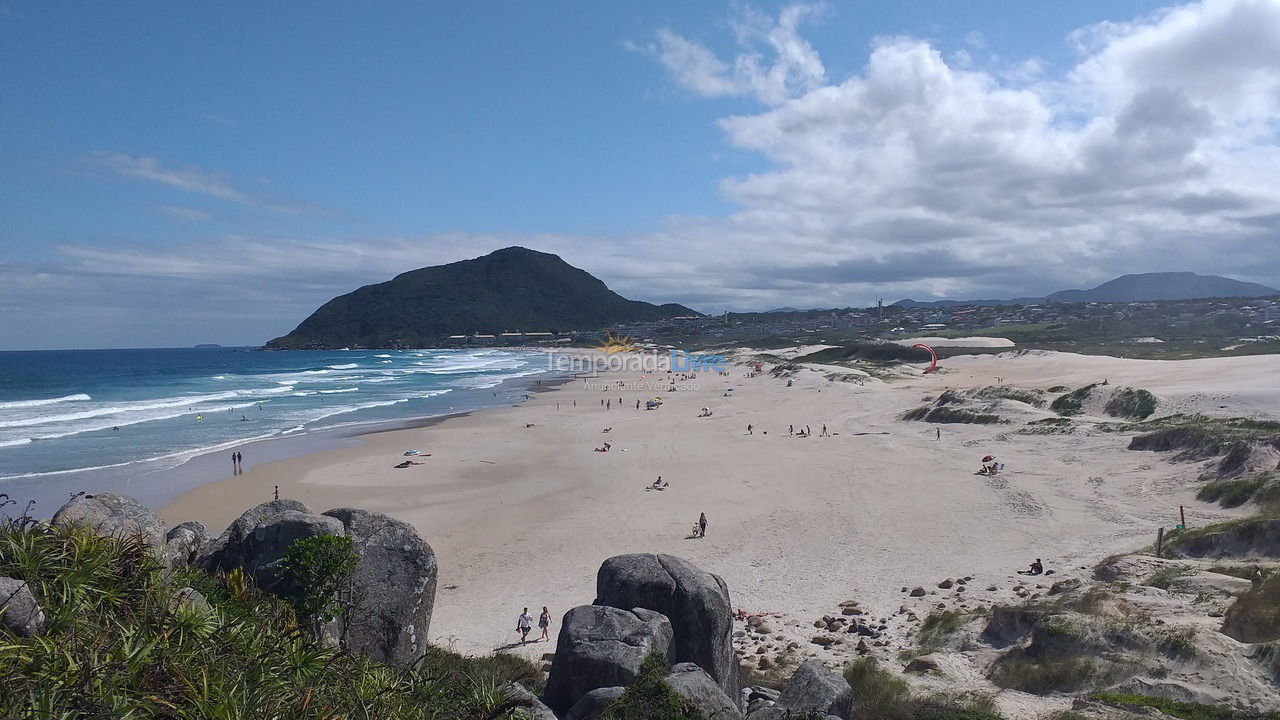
509 289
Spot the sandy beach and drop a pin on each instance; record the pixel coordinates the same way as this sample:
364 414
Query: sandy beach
521 511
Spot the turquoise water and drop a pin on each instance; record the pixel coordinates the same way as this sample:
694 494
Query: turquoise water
65 415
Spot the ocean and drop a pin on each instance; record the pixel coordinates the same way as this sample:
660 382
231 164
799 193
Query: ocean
99 419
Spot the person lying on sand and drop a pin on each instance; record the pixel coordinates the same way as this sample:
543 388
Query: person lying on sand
606 430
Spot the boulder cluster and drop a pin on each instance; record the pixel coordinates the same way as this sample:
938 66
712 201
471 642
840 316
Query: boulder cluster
644 604
393 587
663 604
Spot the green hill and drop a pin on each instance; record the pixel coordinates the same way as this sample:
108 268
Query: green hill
507 290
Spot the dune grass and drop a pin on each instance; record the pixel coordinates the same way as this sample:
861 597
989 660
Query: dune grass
1234 492
951 415
1172 708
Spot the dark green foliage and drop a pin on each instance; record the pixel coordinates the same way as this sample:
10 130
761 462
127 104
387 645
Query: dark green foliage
113 648
649 697
1255 616
1233 492
1018 670
507 290
877 693
1165 577
1172 708
314 570
951 415
1197 437
880 695
940 624
1034 398
1131 404
1049 426
1059 389
1073 402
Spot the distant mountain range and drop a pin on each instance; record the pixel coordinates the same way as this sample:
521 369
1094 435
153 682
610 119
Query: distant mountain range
513 289
1139 287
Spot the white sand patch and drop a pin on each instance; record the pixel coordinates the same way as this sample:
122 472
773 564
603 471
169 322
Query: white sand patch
975 342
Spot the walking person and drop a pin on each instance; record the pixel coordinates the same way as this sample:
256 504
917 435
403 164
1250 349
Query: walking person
749 428
938 435
544 622
702 525
791 429
523 625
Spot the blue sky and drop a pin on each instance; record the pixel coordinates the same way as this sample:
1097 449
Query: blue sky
173 173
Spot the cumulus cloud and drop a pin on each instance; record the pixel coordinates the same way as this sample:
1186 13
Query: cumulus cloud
776 62
1156 150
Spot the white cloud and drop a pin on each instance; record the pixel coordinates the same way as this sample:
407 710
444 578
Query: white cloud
193 179
792 66
1155 151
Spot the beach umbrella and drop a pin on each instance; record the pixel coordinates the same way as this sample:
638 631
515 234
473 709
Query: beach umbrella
989 458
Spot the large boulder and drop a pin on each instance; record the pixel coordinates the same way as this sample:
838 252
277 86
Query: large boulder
20 614
601 646
115 515
528 702
814 688
184 543
696 602
259 549
593 704
228 550
777 712
699 688
393 588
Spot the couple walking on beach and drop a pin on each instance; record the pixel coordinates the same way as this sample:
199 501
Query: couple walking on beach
525 623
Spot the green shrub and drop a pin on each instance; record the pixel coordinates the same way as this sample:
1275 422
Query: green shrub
1131 404
314 570
948 414
1233 492
877 693
114 648
1019 670
1164 577
1035 398
1180 646
1073 402
880 695
649 697
1172 708
938 625
1197 437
